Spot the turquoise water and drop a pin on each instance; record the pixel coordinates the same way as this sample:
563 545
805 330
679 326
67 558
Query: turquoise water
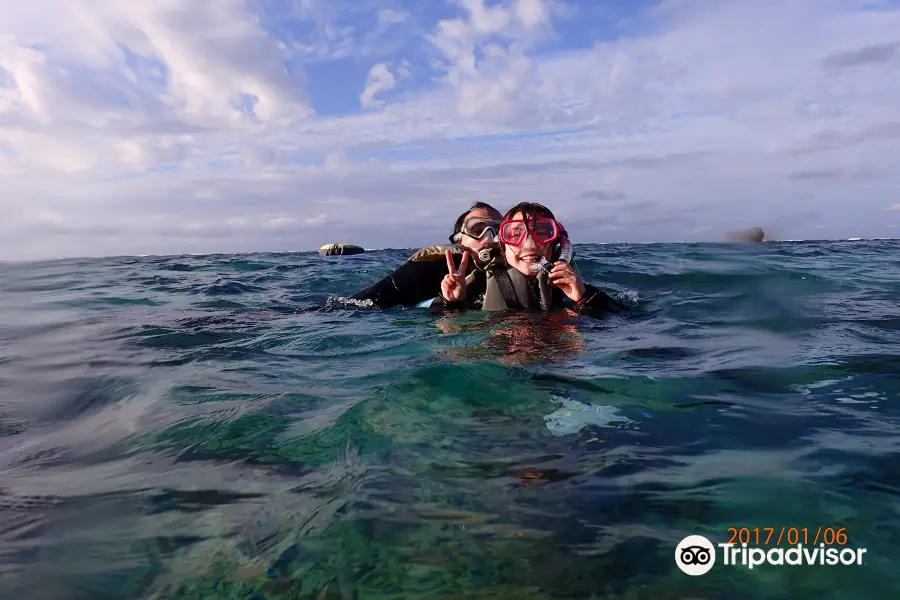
174 427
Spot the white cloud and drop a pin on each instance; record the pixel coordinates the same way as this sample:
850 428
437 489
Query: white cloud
380 80
185 125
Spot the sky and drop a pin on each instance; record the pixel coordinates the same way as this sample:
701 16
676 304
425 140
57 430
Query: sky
195 126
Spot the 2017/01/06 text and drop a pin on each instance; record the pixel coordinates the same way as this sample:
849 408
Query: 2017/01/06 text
763 536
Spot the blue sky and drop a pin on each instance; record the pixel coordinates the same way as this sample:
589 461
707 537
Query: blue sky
256 125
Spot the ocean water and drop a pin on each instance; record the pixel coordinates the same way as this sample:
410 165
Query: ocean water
226 427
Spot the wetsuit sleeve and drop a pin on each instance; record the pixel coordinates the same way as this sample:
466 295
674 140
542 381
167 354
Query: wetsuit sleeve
383 293
439 303
474 295
596 300
409 284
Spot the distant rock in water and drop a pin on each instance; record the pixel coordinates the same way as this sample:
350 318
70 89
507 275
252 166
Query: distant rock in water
754 235
340 250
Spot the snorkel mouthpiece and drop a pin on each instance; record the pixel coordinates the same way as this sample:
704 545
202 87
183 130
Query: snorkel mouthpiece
489 254
544 266
565 255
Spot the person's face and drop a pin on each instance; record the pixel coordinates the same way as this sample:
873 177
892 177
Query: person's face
528 253
478 244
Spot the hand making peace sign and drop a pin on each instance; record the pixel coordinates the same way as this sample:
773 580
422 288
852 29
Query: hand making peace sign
453 286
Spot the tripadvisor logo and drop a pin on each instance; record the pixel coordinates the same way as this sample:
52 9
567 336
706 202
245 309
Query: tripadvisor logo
696 555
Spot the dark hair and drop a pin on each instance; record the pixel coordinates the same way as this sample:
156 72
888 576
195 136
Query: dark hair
476 206
530 211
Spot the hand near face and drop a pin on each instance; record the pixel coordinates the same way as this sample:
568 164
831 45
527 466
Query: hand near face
565 278
453 286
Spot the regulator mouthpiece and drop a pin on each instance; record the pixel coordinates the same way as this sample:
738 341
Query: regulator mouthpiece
566 253
545 265
484 254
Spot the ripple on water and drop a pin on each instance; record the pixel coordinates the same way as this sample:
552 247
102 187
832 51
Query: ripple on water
233 427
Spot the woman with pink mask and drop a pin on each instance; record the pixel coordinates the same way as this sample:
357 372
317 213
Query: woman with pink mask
536 273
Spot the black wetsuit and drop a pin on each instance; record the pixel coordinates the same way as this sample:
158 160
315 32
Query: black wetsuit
414 282
595 300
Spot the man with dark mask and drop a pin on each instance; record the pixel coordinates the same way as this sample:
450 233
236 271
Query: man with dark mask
418 279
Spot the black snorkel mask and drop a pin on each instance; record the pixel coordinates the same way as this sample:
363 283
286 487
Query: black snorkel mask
480 228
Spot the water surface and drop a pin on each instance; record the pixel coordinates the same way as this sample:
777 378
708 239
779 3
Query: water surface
184 427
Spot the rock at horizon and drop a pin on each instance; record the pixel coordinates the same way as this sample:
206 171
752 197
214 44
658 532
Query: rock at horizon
754 235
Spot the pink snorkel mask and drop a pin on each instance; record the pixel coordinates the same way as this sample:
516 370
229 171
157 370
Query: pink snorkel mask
543 231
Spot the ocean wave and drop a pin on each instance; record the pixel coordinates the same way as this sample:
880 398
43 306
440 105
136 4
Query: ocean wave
226 426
